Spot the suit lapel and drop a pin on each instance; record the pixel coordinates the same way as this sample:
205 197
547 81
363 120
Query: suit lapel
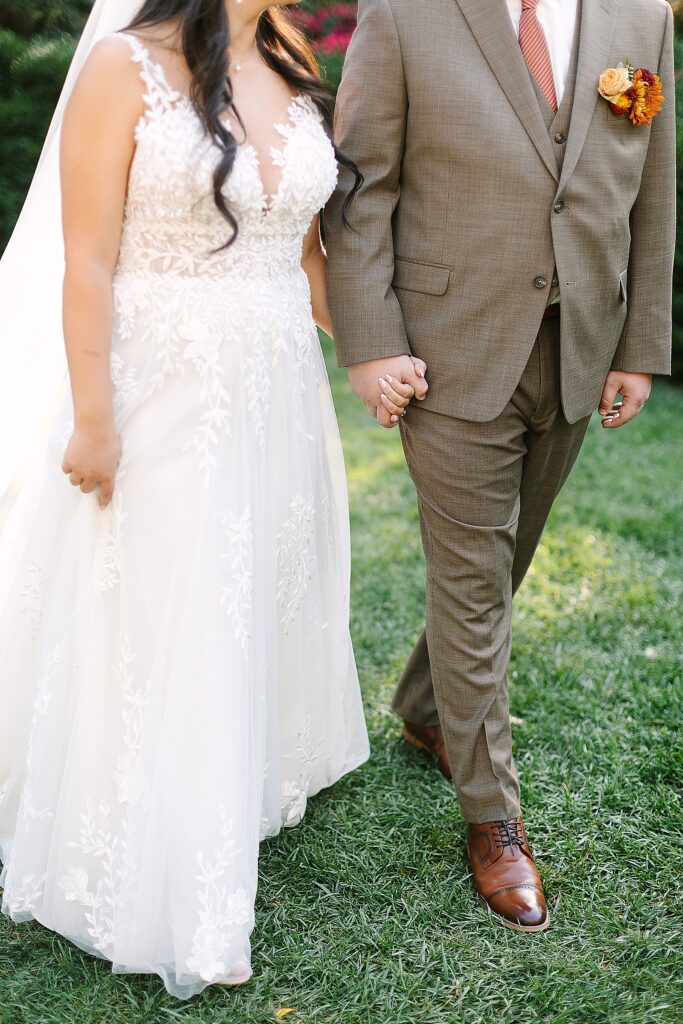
598 21
492 28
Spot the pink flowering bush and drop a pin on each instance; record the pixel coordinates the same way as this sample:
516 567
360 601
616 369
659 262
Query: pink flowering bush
329 27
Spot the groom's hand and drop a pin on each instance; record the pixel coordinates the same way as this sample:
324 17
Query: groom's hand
634 388
365 379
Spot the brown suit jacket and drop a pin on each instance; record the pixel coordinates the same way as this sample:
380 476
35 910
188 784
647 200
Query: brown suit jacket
464 213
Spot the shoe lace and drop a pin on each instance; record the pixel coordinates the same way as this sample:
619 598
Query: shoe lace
509 833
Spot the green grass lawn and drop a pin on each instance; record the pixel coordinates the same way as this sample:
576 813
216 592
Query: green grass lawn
365 913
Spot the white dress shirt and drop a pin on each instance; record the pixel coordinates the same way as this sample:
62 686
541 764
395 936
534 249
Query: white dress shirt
558 21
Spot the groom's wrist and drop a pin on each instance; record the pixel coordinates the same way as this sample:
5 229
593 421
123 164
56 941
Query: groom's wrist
373 355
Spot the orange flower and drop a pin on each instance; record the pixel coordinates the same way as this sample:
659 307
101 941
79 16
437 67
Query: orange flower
647 97
622 104
636 94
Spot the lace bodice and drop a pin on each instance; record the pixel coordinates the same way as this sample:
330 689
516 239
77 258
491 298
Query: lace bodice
171 223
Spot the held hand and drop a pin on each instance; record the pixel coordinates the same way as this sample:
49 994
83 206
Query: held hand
92 458
407 381
635 390
395 398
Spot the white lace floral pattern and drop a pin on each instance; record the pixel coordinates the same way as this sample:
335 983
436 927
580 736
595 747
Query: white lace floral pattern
33 594
41 702
22 900
221 911
103 847
130 780
296 558
237 595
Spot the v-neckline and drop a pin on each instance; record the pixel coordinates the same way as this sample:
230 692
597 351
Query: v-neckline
283 128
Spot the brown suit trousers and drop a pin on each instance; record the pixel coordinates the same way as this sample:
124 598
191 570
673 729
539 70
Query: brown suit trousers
485 491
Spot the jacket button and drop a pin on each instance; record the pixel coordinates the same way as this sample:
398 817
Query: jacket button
540 282
559 206
560 138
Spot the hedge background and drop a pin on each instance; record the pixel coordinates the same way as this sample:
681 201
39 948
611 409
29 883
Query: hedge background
37 39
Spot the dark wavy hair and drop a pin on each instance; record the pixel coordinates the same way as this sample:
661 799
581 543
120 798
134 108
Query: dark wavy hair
205 38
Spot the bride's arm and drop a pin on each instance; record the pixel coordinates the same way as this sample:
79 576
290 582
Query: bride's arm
97 146
314 262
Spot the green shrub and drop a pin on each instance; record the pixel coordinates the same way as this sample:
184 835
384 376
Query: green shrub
43 16
331 68
31 76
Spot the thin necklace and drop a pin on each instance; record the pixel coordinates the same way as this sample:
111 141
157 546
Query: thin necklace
238 65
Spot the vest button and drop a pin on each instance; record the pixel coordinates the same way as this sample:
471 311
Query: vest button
540 282
560 138
555 282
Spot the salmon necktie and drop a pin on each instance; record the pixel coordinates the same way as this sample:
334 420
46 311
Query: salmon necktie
534 46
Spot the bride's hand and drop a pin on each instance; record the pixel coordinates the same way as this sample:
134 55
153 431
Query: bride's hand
396 396
92 458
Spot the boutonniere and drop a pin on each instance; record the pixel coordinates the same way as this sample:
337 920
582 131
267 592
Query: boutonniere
632 92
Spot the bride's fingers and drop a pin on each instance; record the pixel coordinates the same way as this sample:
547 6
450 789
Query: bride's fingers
402 388
76 479
391 407
106 491
420 366
385 418
396 391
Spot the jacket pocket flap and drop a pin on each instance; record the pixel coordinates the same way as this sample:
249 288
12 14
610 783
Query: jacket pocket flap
623 285
420 277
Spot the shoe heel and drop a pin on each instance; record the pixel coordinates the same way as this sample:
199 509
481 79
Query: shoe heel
410 737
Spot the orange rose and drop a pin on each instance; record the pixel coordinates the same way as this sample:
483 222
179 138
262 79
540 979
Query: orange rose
614 82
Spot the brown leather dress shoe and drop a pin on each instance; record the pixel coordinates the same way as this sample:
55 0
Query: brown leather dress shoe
429 738
505 876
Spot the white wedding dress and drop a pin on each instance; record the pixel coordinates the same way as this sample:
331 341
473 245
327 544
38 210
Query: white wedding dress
176 672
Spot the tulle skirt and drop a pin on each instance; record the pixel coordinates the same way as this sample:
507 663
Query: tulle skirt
176 672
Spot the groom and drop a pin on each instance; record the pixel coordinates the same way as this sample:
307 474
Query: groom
515 230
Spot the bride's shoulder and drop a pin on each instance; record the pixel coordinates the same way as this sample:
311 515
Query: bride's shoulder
109 79
110 65
113 54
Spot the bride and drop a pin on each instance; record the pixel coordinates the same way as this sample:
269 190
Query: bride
176 673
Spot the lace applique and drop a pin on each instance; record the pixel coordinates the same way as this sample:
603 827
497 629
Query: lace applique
114 517
130 780
159 98
294 801
221 912
22 900
41 703
237 597
258 388
203 351
295 791
123 380
33 595
99 843
296 558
